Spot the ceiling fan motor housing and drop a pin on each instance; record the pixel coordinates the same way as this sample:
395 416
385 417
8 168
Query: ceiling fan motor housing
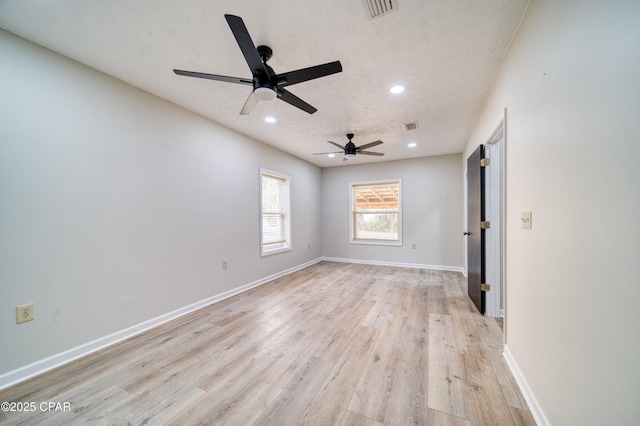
350 149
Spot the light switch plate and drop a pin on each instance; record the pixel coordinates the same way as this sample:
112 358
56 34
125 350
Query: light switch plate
526 220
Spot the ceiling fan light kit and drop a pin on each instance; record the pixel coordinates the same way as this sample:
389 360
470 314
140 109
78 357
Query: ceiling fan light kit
265 94
267 85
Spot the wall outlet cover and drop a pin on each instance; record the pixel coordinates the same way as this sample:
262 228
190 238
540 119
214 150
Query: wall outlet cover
24 313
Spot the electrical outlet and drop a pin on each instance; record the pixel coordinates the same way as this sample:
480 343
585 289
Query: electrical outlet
225 265
413 246
24 313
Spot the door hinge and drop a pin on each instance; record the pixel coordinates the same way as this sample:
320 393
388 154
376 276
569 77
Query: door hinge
485 287
485 224
484 162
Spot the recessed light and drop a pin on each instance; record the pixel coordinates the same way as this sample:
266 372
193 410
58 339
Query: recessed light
270 119
412 144
397 89
331 155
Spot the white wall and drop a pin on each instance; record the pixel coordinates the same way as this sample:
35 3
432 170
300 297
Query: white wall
571 86
117 207
431 211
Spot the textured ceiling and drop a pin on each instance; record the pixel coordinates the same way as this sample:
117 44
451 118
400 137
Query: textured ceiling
446 53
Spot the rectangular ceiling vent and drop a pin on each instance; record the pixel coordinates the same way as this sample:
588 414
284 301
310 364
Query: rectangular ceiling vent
410 126
378 8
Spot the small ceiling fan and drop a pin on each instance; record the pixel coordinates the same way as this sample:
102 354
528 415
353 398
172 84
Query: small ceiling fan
350 149
267 85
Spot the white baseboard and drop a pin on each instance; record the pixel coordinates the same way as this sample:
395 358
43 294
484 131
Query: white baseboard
396 264
532 401
23 373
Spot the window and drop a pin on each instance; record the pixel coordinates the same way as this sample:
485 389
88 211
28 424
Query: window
275 214
375 213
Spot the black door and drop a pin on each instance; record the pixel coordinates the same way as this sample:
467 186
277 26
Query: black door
475 233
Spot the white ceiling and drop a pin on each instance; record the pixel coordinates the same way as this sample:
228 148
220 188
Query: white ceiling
446 53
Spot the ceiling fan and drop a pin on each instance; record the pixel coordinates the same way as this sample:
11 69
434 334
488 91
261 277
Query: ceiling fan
267 85
350 149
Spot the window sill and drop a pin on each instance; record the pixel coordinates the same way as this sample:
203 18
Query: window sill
274 251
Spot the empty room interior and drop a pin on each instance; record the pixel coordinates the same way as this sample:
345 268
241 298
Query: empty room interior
265 212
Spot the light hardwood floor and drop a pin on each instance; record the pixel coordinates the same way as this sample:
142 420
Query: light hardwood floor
333 344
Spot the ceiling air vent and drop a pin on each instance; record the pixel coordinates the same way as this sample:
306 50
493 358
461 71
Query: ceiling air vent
378 8
410 126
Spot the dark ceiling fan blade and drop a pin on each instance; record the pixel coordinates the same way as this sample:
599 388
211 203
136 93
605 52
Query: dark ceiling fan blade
228 79
246 45
251 102
369 145
292 99
306 74
337 144
379 154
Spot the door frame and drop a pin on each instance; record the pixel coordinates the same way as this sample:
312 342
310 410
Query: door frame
494 195
494 299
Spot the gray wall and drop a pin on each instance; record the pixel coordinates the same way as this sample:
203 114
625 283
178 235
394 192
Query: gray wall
431 211
571 86
118 207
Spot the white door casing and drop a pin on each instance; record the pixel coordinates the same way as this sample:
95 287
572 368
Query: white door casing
495 235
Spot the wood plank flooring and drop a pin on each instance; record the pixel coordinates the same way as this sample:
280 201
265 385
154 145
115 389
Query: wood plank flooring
333 344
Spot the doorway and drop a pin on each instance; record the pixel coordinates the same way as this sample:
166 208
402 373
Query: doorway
485 188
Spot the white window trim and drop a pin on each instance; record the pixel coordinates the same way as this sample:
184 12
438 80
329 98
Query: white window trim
287 244
352 239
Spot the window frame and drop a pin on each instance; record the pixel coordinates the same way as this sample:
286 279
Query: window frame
285 245
353 213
